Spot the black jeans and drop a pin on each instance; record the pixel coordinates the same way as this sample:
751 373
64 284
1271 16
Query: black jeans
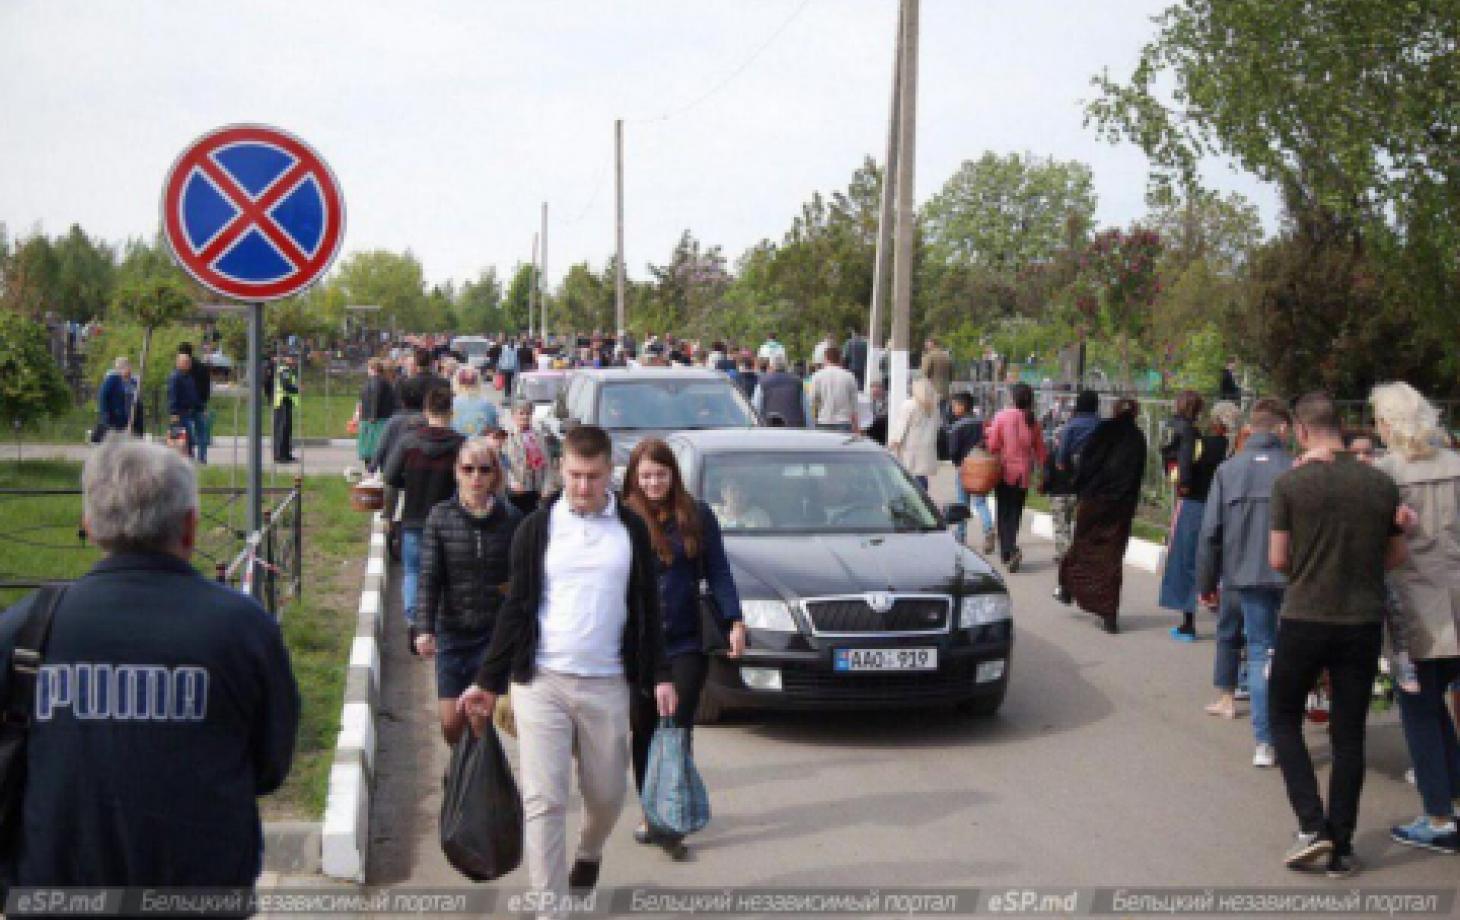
688 672
1008 510
284 431
1350 655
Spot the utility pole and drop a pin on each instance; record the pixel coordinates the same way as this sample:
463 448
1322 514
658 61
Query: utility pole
618 272
542 279
902 257
883 261
532 289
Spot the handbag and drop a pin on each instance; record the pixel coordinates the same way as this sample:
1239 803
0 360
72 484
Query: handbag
674 798
712 631
980 472
19 704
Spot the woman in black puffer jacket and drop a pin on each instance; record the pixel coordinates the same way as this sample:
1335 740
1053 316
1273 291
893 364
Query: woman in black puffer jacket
464 569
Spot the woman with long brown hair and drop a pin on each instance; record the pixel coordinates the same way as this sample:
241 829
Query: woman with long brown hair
689 550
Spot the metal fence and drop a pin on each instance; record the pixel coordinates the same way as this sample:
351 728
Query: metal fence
45 523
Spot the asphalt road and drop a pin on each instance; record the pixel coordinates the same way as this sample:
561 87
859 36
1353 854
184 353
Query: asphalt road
1100 770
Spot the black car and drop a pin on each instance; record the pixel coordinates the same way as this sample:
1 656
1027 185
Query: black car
633 404
855 594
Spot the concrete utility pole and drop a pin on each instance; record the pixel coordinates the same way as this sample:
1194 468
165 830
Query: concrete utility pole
542 279
902 257
532 289
618 226
883 260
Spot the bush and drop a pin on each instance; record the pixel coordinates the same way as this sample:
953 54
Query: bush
31 384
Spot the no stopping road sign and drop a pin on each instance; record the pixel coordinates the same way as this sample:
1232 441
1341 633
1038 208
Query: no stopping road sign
252 212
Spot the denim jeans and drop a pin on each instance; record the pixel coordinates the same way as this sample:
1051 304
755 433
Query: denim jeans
198 431
922 482
979 504
410 559
1350 654
1259 621
1228 660
1429 731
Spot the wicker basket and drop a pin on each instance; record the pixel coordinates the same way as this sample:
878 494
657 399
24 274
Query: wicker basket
367 496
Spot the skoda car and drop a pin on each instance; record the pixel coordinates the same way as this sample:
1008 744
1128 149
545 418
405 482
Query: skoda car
855 594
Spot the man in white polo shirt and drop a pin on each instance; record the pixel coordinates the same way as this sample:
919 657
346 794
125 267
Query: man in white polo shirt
579 631
834 395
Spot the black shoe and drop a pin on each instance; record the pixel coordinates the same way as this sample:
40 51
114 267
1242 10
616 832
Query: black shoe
1341 863
584 875
1109 625
411 634
1016 560
1062 595
643 835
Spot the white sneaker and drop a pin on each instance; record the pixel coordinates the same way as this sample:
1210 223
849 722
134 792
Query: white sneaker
1409 776
1265 756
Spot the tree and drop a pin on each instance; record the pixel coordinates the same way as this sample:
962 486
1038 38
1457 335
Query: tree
1117 287
686 290
30 278
519 299
1348 106
479 304
31 385
85 275
586 299
152 301
393 281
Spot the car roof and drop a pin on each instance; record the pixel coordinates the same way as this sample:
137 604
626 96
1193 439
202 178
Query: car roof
773 439
544 373
636 374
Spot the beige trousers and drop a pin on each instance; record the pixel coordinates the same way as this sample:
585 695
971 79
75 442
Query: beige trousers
558 716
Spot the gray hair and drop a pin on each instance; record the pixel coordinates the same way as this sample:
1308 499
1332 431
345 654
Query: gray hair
121 363
1411 420
137 495
778 362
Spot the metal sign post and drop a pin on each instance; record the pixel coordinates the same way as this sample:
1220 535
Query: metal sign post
255 214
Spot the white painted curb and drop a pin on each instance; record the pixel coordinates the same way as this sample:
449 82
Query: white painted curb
345 840
1139 554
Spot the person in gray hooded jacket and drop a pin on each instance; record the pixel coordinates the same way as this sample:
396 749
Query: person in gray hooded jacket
1233 547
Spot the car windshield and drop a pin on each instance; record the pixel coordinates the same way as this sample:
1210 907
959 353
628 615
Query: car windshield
819 492
539 389
673 404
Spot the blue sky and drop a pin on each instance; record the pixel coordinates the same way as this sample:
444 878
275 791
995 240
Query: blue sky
449 123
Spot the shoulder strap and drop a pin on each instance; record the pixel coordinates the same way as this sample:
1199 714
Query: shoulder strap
30 646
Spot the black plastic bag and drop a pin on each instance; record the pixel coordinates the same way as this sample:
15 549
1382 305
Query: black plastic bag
481 810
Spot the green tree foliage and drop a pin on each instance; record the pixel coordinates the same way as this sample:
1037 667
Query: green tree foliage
1118 287
479 304
585 301
686 291
395 282
152 302
85 272
30 273
818 278
1350 108
518 300
31 385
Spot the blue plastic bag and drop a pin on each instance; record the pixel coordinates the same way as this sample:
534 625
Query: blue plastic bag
674 798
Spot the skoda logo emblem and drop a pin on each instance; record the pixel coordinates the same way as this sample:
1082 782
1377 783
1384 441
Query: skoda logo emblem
879 601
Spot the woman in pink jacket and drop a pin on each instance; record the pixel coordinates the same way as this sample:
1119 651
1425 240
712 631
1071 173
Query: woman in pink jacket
1015 437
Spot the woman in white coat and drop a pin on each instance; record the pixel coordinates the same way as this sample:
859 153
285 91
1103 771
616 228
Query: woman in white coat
913 436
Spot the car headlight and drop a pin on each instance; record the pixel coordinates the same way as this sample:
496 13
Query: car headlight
978 609
773 616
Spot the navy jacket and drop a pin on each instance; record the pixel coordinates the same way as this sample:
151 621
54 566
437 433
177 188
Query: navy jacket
679 586
1073 437
182 394
114 399
165 704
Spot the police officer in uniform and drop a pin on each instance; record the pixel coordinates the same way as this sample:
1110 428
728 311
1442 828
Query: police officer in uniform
286 400
164 703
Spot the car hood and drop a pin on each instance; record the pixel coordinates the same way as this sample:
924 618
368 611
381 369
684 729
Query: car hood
794 566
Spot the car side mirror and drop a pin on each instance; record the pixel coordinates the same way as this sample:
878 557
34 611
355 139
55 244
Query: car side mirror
956 513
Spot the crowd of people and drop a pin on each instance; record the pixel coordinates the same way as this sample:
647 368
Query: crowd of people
1323 559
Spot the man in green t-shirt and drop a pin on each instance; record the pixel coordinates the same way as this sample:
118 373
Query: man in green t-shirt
1334 535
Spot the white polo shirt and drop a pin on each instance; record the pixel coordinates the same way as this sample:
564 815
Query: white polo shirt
585 585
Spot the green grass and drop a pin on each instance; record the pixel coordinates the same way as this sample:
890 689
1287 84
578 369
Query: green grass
318 628
316 417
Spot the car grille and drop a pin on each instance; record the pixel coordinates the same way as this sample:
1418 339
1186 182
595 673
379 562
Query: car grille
952 680
855 615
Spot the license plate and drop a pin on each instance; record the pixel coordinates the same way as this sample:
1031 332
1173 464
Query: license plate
885 659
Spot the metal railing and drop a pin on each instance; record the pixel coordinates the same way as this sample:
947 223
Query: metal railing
275 554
